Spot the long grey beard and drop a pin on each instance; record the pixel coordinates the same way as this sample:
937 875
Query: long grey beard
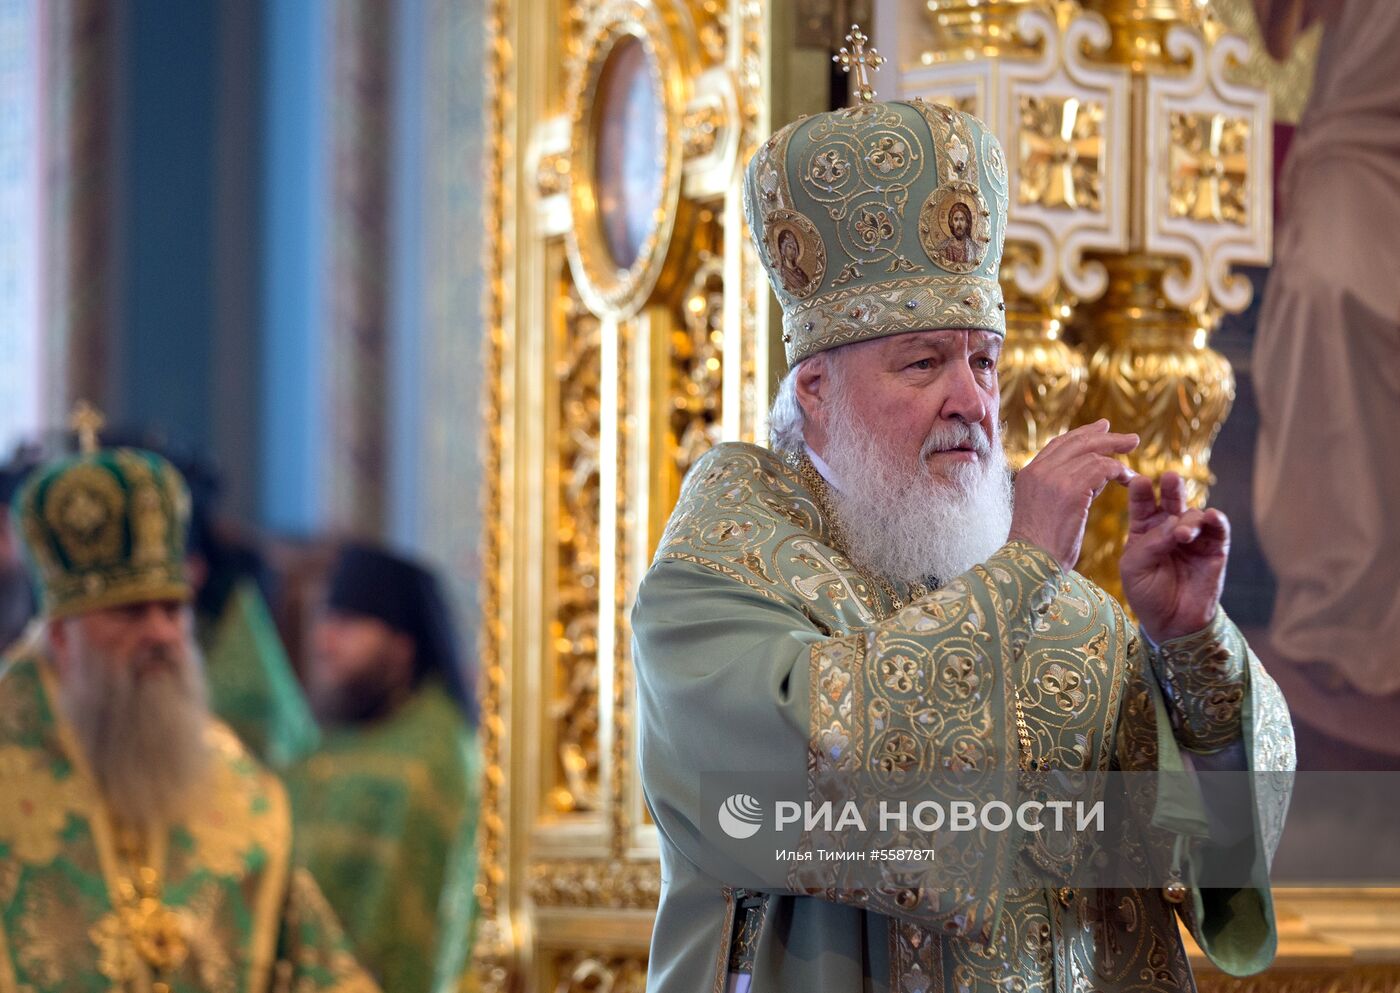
143 735
905 522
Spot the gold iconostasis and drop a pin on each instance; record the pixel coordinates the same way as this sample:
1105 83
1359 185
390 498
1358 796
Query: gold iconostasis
631 327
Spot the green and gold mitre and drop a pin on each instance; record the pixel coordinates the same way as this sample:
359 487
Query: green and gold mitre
104 527
879 219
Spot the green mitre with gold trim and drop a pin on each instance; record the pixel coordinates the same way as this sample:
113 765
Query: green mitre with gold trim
879 219
104 528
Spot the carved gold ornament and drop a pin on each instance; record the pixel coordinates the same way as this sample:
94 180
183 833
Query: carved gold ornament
1209 168
1061 148
622 214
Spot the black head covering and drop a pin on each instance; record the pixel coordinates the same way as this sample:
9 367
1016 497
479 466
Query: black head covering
373 582
13 473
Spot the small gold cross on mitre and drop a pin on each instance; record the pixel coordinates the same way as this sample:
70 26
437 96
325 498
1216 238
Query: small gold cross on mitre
862 60
86 420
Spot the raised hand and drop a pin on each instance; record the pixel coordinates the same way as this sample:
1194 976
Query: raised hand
1055 489
1173 565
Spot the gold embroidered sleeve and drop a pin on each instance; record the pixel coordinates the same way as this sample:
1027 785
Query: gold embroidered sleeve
1208 693
1204 678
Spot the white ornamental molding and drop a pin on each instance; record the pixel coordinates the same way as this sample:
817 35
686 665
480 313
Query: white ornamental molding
1209 148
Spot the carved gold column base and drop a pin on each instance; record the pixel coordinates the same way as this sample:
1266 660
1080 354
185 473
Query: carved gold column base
1150 371
1043 378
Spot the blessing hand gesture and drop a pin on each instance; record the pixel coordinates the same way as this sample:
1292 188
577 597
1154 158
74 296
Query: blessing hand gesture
1173 565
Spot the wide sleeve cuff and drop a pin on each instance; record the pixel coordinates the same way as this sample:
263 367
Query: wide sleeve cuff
1204 678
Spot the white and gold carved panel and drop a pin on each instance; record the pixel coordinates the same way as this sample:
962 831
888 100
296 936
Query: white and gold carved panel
1209 154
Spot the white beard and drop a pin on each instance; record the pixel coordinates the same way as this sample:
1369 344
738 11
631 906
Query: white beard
902 520
143 735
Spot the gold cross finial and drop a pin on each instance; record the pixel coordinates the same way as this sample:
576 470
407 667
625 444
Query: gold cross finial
86 420
861 59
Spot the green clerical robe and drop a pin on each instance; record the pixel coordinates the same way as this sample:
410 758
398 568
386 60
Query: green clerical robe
386 820
230 913
251 682
758 642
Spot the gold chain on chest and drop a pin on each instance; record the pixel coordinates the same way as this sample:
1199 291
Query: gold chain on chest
818 486
154 929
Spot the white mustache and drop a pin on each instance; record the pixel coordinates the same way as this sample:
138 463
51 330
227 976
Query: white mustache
955 435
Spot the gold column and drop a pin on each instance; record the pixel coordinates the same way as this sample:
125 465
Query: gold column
628 332
1043 377
1150 371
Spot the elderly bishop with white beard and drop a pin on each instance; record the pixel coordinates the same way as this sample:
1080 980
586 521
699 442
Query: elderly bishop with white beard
876 604
142 847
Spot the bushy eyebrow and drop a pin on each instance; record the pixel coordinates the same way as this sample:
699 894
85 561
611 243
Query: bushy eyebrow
919 341
940 340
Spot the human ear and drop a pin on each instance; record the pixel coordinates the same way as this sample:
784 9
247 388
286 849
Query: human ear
813 386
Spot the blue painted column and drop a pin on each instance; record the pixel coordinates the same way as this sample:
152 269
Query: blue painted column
294 251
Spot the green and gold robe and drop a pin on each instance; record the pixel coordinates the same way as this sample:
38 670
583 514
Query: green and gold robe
386 820
757 641
232 913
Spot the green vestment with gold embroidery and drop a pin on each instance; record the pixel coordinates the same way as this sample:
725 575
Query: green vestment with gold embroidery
232 913
757 641
386 818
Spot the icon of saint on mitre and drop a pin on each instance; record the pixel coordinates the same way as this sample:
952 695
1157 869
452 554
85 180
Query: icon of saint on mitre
795 253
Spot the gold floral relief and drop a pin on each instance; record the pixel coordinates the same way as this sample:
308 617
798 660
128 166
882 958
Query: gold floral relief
577 374
1209 168
697 366
1061 148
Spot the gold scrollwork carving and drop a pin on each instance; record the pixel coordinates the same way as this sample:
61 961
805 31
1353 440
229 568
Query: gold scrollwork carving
616 883
1151 371
573 712
1043 378
552 176
585 972
700 131
697 366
